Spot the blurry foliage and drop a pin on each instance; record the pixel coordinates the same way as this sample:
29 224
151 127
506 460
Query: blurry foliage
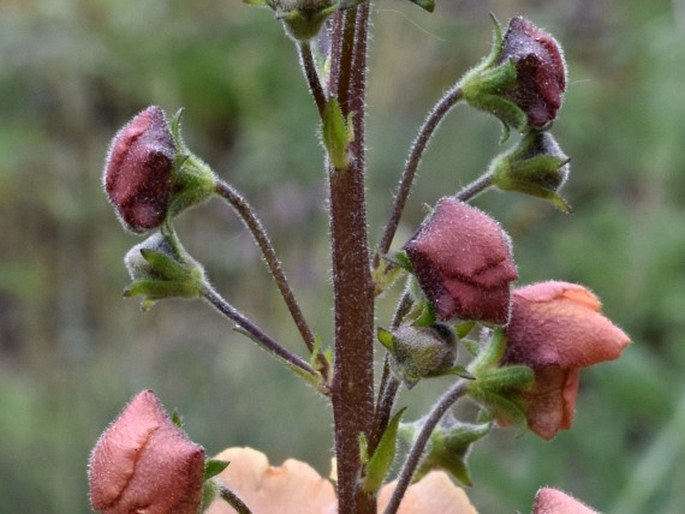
72 351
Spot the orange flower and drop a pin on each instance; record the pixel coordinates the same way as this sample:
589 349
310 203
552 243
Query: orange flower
144 463
553 501
556 328
296 488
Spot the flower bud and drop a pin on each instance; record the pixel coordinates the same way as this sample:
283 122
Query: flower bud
421 352
463 262
557 328
160 268
523 79
303 19
144 463
139 171
553 501
150 174
536 166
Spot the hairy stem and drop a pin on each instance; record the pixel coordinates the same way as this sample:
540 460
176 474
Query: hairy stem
256 333
415 155
233 500
352 386
246 213
310 72
475 188
417 449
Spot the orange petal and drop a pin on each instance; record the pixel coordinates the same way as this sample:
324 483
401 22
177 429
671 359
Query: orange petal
293 488
433 494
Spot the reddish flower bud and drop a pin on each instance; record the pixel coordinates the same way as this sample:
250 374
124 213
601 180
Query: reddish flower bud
144 463
139 169
553 501
556 328
463 261
540 70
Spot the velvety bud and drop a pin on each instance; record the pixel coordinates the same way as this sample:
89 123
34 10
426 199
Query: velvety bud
553 501
303 19
421 352
557 328
145 463
139 170
536 166
463 262
522 81
540 70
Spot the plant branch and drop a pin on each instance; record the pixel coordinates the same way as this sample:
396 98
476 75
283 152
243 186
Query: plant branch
256 333
475 188
417 449
312 75
246 213
233 500
415 155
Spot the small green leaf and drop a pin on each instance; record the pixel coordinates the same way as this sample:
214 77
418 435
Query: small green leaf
335 134
381 460
259 3
428 5
463 329
386 338
214 466
460 371
490 355
177 419
400 259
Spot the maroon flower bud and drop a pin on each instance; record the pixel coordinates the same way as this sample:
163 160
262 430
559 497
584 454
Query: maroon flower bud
144 463
139 171
463 262
540 70
556 329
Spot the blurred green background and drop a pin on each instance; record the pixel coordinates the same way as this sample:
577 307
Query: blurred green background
72 351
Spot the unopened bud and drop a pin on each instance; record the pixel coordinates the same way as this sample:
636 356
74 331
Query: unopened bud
145 463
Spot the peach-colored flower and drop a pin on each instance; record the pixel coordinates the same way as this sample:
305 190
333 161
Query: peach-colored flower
296 488
144 463
463 261
553 501
557 328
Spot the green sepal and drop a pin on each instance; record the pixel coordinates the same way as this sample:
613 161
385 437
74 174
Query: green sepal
384 277
259 3
449 450
163 265
459 371
506 378
464 328
400 259
386 338
177 419
427 5
500 406
154 290
213 467
379 463
305 24
490 354
335 134
471 346
210 492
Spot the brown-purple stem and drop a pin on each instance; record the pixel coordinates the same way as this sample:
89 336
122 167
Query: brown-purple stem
352 385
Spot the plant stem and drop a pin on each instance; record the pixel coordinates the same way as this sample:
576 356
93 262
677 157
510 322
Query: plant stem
416 153
475 188
261 337
310 72
352 385
233 500
247 214
417 449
